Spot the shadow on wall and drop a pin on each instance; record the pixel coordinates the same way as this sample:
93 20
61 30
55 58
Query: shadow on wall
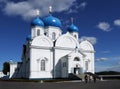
58 69
19 72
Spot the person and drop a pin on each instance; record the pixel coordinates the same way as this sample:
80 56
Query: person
86 78
94 79
90 78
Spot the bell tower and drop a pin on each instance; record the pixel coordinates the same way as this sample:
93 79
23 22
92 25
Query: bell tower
37 26
52 26
73 30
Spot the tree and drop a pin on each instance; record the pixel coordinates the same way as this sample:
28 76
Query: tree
6 67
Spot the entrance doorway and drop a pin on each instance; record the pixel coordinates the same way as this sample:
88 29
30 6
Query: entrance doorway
76 70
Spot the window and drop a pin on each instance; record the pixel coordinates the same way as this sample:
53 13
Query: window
64 64
45 33
76 59
42 65
75 36
53 36
38 32
86 65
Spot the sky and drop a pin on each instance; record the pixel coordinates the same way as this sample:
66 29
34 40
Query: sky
98 21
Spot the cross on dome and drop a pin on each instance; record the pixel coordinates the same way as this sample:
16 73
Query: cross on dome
50 9
37 21
37 12
72 20
72 27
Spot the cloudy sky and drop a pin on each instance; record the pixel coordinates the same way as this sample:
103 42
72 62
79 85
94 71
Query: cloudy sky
98 21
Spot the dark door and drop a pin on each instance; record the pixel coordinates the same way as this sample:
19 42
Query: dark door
76 70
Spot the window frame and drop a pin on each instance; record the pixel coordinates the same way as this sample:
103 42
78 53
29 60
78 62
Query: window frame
76 59
53 35
43 65
38 32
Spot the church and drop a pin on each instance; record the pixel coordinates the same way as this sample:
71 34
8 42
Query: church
50 54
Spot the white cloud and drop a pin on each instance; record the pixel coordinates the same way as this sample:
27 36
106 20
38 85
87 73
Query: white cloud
22 8
107 68
116 58
93 40
101 59
72 11
104 26
112 58
3 0
114 68
119 63
114 64
2 3
117 22
62 5
76 6
105 52
83 5
101 68
26 8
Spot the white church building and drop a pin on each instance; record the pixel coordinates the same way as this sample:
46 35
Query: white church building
50 54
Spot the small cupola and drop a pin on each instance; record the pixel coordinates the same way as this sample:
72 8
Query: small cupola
52 21
52 26
37 26
28 38
73 28
37 22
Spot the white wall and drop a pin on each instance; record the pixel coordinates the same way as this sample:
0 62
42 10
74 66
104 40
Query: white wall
50 30
88 50
35 63
1 74
34 31
13 67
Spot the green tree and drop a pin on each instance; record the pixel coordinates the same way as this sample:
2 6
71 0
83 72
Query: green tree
6 67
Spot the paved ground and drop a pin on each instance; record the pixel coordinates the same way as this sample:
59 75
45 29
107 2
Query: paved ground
115 84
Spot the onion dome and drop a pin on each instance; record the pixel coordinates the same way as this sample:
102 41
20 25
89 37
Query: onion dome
28 38
73 28
37 22
52 21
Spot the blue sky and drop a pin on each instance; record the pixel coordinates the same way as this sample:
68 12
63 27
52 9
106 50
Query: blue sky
98 21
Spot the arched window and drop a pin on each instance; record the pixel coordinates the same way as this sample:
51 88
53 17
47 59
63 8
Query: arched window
42 65
53 36
38 32
76 59
86 65
75 36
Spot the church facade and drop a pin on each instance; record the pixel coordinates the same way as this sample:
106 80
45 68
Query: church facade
50 54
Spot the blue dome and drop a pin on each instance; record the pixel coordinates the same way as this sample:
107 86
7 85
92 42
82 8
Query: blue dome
52 21
73 28
28 37
37 22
